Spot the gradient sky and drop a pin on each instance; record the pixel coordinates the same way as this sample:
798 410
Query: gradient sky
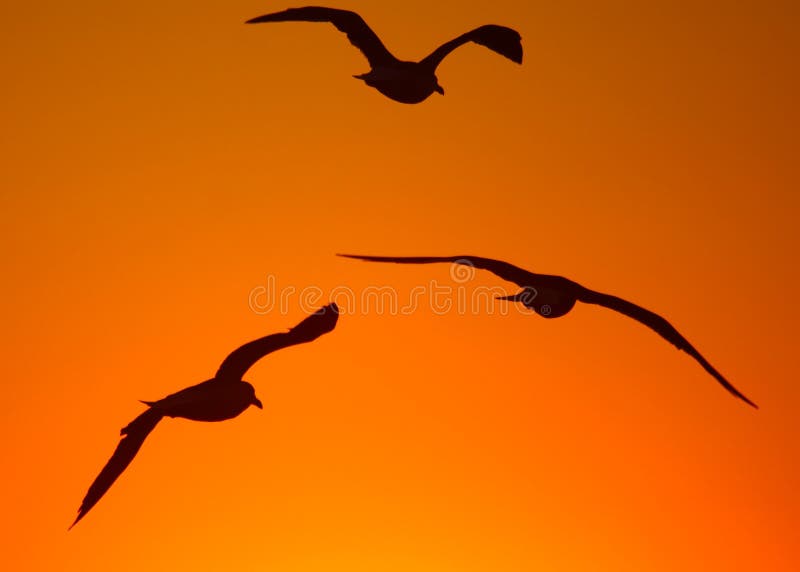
161 162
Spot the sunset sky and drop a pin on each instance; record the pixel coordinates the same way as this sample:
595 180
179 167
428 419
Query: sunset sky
165 168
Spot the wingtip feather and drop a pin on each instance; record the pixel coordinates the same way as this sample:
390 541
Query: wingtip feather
77 519
750 403
259 19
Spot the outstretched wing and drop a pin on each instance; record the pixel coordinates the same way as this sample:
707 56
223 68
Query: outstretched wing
502 269
240 360
132 438
504 41
660 326
359 34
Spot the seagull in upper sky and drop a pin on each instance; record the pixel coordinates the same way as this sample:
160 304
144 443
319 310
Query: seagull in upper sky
223 397
553 296
406 82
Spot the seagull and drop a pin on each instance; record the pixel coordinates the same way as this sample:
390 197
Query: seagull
406 82
223 397
554 296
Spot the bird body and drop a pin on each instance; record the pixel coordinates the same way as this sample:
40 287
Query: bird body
549 301
554 296
403 81
210 400
223 397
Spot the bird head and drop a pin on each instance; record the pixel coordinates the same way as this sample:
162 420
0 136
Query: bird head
251 393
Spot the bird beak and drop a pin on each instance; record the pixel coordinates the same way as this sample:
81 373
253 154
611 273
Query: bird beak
439 89
257 403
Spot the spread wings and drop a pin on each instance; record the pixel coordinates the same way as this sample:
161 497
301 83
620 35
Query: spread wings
504 41
524 278
132 438
660 326
240 360
502 269
357 30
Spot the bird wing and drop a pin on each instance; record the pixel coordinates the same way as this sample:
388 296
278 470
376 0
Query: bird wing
132 438
240 360
660 326
504 41
502 269
357 30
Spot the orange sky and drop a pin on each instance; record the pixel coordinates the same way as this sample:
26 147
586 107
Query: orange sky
159 163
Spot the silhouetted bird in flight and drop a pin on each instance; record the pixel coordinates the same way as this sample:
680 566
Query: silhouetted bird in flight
223 397
553 296
406 82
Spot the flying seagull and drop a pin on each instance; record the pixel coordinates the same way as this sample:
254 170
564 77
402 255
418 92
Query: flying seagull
406 82
553 296
224 396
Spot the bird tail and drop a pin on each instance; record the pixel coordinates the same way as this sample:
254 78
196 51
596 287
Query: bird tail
133 435
512 298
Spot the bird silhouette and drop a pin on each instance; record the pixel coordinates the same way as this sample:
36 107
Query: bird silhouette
554 296
406 82
223 397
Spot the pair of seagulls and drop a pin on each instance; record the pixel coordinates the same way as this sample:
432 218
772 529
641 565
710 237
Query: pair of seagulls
227 395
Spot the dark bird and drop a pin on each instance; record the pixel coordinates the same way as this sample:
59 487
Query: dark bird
406 82
223 397
553 296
